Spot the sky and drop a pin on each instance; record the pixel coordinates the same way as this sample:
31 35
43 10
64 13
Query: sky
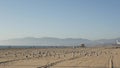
90 19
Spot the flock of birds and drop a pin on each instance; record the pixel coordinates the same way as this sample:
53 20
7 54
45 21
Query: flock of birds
62 54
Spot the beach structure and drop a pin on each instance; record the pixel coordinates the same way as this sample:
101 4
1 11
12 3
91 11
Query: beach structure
117 42
82 45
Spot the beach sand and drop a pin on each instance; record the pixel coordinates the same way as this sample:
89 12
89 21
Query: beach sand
93 57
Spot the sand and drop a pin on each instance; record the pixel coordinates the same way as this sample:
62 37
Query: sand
94 57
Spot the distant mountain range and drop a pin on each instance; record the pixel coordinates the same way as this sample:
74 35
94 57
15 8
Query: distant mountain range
51 41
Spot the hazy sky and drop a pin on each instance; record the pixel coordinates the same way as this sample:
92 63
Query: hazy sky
90 19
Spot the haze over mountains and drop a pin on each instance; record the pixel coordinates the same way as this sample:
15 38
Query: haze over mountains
51 41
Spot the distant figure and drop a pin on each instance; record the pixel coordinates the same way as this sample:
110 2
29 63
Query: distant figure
118 43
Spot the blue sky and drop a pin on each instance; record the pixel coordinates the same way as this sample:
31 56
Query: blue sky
90 19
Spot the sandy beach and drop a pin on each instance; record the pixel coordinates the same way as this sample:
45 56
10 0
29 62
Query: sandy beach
96 57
